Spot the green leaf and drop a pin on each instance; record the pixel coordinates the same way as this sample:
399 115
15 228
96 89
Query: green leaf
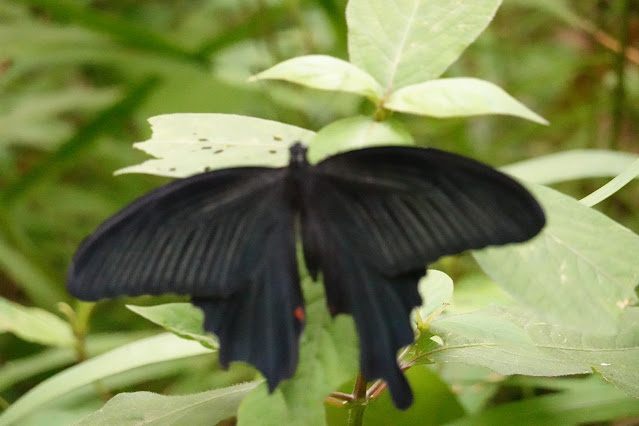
186 144
475 291
14 371
534 347
514 341
436 289
182 319
458 97
356 132
328 358
580 271
410 41
324 72
613 186
586 404
149 408
569 165
152 350
34 324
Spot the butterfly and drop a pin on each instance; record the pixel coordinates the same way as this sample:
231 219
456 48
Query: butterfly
369 220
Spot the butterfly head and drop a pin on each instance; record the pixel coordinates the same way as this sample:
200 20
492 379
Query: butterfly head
298 155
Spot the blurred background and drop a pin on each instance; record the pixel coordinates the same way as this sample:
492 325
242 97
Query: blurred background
79 79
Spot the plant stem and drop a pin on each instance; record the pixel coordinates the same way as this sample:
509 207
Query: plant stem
357 407
620 89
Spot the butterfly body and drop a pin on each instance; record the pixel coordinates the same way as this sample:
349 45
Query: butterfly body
370 221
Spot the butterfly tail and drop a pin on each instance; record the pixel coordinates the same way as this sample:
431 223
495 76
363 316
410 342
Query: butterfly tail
262 323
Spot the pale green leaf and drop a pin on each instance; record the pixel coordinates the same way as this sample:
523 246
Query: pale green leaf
436 289
186 144
34 324
581 270
14 371
458 97
514 341
146 408
569 165
152 350
613 186
588 403
182 319
475 291
410 41
356 132
324 72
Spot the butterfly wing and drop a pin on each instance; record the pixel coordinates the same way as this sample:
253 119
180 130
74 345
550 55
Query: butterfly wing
226 238
373 218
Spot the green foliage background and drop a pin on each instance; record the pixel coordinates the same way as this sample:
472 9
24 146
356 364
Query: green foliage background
79 79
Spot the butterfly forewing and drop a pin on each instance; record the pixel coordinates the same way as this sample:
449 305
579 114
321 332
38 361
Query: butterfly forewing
198 236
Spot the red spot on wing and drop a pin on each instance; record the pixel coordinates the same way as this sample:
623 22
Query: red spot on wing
299 313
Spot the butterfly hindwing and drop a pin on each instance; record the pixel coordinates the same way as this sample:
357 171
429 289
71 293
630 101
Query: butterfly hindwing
373 219
261 324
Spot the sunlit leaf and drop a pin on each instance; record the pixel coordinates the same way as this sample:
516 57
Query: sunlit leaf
186 144
152 409
183 319
324 72
458 97
356 132
513 341
410 41
581 270
34 324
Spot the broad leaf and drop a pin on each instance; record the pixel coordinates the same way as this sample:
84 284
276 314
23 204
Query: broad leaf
324 72
356 132
513 341
405 42
34 324
580 271
458 97
186 144
592 402
436 289
182 319
152 409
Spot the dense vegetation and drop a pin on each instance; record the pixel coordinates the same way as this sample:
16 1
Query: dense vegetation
80 79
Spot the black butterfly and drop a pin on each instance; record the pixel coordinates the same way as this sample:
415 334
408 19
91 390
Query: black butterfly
370 220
